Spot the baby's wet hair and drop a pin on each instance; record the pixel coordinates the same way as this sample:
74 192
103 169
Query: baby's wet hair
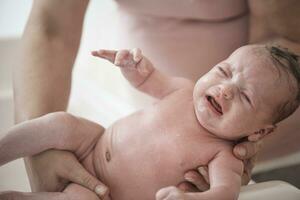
289 62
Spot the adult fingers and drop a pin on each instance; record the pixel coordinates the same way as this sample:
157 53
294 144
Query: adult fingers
80 176
248 166
203 170
13 195
187 187
246 150
78 192
76 173
197 178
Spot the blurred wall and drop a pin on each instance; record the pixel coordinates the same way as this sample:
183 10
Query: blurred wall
13 16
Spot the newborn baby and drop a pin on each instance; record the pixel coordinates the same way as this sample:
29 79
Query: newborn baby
145 154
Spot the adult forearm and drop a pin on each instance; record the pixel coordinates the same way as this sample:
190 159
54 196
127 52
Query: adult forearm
42 76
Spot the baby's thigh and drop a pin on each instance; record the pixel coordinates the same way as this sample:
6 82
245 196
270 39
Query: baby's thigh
77 192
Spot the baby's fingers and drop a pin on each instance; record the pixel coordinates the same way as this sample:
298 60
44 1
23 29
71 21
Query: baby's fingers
109 55
170 193
136 54
122 58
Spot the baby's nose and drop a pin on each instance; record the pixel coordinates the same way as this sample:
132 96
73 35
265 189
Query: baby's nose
227 91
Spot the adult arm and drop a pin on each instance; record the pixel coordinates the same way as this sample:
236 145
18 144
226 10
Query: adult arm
42 77
275 21
42 81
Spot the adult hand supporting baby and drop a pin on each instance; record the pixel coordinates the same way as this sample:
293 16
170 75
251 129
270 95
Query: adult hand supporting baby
197 180
247 151
87 187
64 167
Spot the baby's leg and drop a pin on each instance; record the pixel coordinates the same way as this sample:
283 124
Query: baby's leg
53 131
25 139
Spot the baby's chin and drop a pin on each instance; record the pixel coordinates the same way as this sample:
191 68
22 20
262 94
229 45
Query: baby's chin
204 121
210 127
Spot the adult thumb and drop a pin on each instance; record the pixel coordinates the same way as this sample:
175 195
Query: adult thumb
82 177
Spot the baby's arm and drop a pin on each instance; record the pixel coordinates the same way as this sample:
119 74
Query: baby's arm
53 131
141 73
225 173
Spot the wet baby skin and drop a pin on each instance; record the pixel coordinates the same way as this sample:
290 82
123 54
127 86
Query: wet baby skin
146 154
191 125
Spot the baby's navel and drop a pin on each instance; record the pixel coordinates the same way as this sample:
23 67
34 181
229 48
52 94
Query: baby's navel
107 156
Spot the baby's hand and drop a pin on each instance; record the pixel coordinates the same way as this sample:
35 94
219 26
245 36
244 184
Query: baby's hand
171 193
128 60
135 67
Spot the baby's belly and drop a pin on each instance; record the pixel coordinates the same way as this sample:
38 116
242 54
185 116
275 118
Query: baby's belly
132 173
135 167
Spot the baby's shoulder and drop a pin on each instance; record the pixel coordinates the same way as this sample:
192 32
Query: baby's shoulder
222 145
183 94
225 155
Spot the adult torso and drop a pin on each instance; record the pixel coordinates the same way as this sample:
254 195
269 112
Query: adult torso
183 37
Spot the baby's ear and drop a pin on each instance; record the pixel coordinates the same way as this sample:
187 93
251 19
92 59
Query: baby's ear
257 135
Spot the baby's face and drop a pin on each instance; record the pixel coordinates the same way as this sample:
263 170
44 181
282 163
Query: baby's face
239 95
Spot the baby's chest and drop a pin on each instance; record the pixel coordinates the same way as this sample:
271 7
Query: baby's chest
186 151
165 138
173 149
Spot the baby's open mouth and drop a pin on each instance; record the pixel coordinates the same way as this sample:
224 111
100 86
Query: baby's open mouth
214 104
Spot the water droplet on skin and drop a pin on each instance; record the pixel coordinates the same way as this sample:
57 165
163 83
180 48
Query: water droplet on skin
201 108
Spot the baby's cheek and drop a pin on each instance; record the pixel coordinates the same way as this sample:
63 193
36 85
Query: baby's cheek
236 124
204 80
